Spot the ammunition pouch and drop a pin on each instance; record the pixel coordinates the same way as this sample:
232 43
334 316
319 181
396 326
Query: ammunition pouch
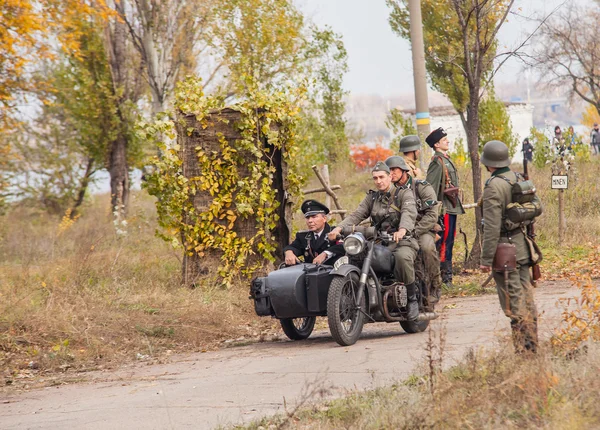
451 194
505 258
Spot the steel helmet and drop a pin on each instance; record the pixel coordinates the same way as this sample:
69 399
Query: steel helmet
410 143
397 161
495 154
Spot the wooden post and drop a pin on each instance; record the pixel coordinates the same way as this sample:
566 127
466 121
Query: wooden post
328 190
325 173
562 222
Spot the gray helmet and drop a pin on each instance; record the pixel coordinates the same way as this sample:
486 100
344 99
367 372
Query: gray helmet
410 143
495 154
397 161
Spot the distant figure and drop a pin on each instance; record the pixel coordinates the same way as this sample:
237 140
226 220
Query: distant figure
595 139
559 140
527 150
572 137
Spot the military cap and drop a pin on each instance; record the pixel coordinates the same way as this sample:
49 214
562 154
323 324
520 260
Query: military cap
381 167
313 207
435 136
410 143
495 154
397 161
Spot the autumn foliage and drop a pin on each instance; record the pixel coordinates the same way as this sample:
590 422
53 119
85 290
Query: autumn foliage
365 157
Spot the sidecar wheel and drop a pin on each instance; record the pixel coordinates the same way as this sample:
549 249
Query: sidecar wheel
345 321
414 326
298 328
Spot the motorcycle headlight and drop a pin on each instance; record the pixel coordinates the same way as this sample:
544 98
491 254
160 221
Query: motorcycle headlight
354 244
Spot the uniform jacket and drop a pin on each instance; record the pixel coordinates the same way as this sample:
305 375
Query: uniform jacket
385 213
437 178
415 172
428 207
497 196
306 245
595 137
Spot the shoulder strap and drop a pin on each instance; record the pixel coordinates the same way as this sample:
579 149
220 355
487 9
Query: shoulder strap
447 182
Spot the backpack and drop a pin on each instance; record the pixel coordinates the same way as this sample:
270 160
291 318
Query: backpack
525 205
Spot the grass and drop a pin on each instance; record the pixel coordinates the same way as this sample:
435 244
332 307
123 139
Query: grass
77 295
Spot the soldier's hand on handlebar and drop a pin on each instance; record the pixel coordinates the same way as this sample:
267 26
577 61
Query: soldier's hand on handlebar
290 258
333 234
399 235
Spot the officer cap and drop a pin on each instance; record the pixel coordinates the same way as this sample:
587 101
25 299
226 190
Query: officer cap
313 207
495 154
410 143
435 136
397 161
381 167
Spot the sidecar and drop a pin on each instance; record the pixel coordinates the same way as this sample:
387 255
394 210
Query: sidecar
295 295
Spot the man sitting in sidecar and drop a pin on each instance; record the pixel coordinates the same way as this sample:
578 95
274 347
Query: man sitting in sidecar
313 243
392 209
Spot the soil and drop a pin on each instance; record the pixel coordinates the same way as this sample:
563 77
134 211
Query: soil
242 383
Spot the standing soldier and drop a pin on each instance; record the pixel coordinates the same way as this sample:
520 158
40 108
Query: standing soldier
427 217
391 209
506 248
443 177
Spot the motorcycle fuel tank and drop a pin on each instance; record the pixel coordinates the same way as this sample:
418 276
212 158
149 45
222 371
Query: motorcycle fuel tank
383 260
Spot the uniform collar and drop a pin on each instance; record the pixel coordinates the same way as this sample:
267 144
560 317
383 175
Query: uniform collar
501 171
441 154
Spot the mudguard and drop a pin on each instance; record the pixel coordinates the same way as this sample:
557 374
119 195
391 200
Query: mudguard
344 269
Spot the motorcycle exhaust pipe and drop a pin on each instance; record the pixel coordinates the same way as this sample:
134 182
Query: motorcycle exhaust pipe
427 316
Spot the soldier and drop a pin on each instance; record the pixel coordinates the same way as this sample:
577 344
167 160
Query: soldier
428 209
314 243
514 287
391 209
410 147
443 177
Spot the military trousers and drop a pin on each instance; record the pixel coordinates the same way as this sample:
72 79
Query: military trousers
404 262
516 299
430 265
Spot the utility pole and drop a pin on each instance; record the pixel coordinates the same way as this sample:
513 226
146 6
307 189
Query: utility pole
419 73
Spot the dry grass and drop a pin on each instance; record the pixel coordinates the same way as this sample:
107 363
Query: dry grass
87 298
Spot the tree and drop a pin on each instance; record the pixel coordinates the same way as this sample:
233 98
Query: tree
400 125
495 123
568 52
461 40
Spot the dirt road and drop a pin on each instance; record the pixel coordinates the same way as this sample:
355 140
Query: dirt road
240 384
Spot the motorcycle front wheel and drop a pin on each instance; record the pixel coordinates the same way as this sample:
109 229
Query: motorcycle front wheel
345 319
298 328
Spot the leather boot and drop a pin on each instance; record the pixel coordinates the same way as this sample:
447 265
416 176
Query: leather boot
446 271
413 304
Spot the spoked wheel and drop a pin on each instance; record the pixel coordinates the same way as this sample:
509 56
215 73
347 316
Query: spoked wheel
298 328
414 326
345 319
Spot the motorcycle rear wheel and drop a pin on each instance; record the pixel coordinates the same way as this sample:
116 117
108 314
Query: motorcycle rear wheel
298 328
414 326
344 319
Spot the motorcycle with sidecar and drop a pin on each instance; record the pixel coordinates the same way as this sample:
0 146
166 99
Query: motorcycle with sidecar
359 288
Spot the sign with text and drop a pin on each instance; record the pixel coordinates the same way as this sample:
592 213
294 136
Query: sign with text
560 182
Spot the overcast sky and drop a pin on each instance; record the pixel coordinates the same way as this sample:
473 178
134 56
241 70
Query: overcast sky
380 62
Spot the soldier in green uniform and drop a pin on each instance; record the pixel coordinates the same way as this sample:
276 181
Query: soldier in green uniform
392 209
515 289
443 177
427 216
410 148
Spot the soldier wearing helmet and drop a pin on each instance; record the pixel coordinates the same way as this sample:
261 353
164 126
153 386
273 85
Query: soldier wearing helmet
392 208
427 216
515 289
410 148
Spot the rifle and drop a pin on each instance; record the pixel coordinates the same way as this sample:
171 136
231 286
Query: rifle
536 272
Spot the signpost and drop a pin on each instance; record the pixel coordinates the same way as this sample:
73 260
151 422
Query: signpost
561 183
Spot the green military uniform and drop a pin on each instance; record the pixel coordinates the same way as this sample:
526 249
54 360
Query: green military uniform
390 215
516 292
437 178
428 209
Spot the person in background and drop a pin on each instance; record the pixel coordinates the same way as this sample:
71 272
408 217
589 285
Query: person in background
559 140
443 177
527 150
595 139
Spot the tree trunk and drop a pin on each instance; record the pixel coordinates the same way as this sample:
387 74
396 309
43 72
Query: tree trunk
85 181
119 177
223 123
472 122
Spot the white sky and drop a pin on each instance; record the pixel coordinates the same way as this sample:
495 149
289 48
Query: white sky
380 62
